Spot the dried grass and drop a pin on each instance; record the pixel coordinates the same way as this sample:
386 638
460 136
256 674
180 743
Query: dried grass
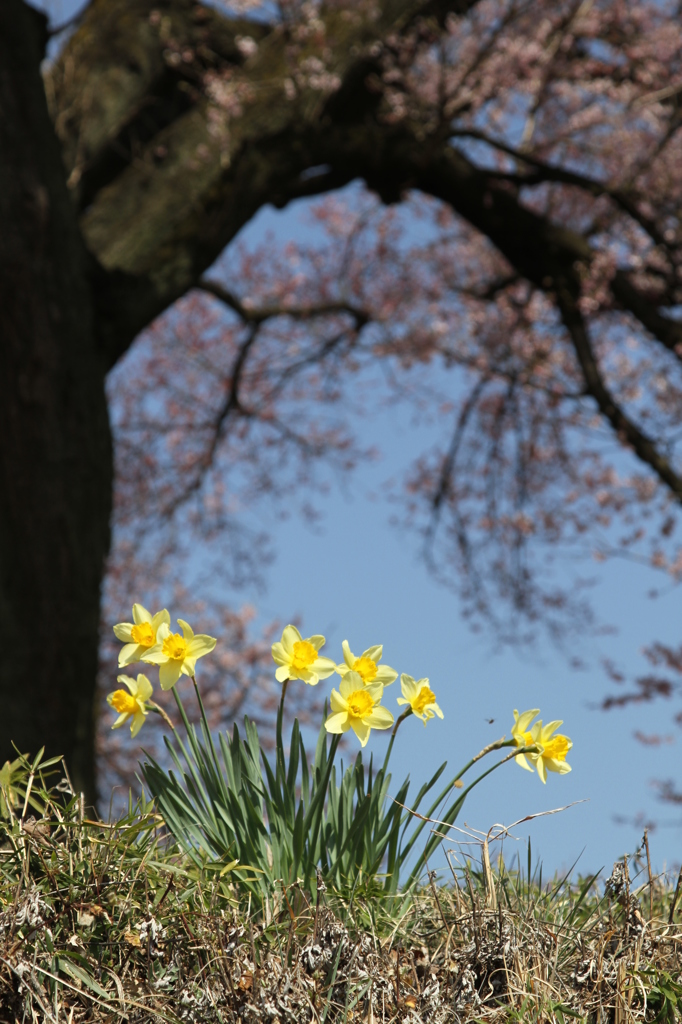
111 924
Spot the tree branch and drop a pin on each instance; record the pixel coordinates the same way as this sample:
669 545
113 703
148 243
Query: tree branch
642 445
258 316
548 172
668 332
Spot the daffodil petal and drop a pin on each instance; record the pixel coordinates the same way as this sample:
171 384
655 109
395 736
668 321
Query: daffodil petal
375 691
130 654
201 645
323 667
374 653
523 721
380 718
348 655
408 687
542 769
279 655
282 673
307 675
337 723
140 614
163 632
162 616
385 674
337 702
155 656
124 631
350 683
121 720
521 760
138 722
290 636
169 673
187 630
361 730
144 687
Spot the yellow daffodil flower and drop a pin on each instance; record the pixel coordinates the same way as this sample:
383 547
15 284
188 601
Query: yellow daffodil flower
552 750
297 658
133 704
366 665
139 635
175 654
421 698
356 706
522 735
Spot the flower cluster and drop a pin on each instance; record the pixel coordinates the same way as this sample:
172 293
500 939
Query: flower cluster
355 705
148 638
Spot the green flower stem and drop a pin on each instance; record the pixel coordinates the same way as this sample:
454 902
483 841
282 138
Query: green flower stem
185 722
405 714
159 710
205 720
450 816
497 745
279 745
314 815
181 709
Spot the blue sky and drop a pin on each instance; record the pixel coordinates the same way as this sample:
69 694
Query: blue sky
356 577
359 579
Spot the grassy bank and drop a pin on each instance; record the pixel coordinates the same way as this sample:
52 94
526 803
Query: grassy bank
103 923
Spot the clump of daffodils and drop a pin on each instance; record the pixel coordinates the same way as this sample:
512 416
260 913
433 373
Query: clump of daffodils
148 638
356 706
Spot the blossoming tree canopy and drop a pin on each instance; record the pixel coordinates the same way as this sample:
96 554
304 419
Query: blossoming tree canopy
536 310
511 260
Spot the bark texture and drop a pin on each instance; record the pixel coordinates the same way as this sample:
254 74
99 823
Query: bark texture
55 450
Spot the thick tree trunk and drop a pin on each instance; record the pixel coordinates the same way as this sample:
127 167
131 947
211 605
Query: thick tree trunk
55 447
